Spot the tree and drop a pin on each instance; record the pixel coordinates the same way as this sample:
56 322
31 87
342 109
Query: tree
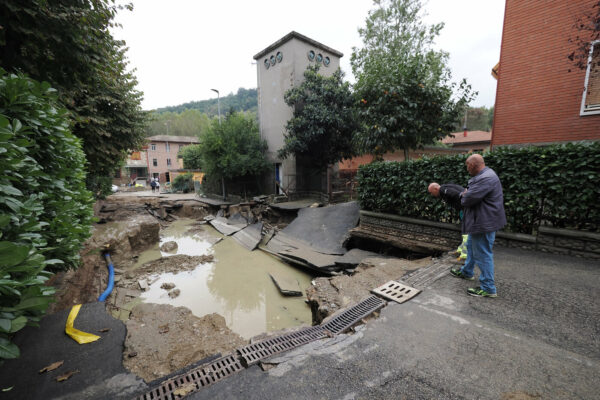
45 209
587 30
324 119
478 119
68 44
403 86
233 149
192 156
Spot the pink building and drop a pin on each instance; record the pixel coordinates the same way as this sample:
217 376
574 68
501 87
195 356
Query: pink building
162 155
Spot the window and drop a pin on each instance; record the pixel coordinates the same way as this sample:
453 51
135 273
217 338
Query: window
167 147
181 146
590 104
153 147
155 162
168 162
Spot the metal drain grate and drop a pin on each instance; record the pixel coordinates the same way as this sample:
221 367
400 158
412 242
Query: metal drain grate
192 381
396 291
255 352
351 316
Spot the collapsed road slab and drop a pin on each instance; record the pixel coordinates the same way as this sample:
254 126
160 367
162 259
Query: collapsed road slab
222 225
250 236
287 286
324 229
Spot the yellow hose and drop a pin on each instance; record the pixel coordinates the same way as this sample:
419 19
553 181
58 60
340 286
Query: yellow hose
77 335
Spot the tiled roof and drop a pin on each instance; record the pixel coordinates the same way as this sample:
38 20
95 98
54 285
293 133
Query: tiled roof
173 139
472 137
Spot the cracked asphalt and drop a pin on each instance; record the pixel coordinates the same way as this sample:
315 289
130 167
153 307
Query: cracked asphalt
539 339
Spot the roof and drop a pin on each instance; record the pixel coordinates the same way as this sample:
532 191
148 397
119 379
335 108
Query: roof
177 139
472 137
296 35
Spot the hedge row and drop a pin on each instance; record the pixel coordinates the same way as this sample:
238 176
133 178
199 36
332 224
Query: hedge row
45 210
556 185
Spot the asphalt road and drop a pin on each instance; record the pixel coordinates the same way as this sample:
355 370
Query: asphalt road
539 339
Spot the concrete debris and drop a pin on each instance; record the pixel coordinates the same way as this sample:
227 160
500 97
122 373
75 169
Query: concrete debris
287 286
250 236
222 225
169 247
143 284
167 286
174 293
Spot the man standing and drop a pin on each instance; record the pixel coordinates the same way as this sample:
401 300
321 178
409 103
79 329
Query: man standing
483 204
450 193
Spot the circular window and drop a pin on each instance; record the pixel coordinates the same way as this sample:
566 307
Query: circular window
267 65
326 61
273 61
311 55
319 57
279 56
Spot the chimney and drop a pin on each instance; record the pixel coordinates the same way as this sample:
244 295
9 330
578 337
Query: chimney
465 132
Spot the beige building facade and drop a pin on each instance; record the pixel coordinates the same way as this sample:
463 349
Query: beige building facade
280 67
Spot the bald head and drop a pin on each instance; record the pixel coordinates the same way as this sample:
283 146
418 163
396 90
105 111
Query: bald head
434 189
475 164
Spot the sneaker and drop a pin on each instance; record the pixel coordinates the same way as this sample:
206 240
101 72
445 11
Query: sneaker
479 292
459 274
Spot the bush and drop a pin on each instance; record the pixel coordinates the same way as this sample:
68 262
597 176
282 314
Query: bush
555 184
184 183
45 210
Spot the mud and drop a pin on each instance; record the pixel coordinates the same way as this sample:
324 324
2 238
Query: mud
328 295
162 339
206 295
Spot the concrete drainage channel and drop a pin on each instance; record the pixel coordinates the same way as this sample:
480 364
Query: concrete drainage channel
215 371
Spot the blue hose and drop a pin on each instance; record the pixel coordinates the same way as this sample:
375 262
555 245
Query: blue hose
111 278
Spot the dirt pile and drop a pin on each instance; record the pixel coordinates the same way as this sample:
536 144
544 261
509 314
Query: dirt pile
162 339
125 238
328 295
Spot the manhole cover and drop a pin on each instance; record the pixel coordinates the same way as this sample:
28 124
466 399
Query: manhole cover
396 291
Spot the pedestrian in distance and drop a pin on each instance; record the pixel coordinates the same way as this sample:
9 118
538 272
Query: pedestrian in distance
450 193
153 184
483 206
157 185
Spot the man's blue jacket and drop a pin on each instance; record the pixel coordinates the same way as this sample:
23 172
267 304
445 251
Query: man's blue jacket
483 203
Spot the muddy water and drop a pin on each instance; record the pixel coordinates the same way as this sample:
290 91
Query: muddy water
196 244
237 285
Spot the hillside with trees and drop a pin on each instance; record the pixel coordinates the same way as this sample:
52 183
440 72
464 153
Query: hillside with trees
243 101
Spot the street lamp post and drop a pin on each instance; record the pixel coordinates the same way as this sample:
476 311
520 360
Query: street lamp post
218 103
219 110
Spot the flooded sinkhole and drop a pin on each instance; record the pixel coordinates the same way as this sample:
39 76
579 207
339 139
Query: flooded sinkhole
236 285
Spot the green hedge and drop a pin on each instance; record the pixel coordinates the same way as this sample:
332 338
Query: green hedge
184 183
45 210
556 184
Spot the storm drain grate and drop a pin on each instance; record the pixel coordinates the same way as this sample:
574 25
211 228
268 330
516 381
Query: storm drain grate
351 316
396 291
194 380
255 352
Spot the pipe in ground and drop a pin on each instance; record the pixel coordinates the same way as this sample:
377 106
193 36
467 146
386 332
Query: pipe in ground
111 278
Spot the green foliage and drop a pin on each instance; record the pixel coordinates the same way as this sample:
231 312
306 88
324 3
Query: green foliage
245 100
324 119
69 44
45 210
187 123
554 184
233 149
192 156
184 183
406 97
478 119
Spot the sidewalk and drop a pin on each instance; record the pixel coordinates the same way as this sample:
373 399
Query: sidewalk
539 339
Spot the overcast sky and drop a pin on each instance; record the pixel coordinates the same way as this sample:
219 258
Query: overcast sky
183 48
